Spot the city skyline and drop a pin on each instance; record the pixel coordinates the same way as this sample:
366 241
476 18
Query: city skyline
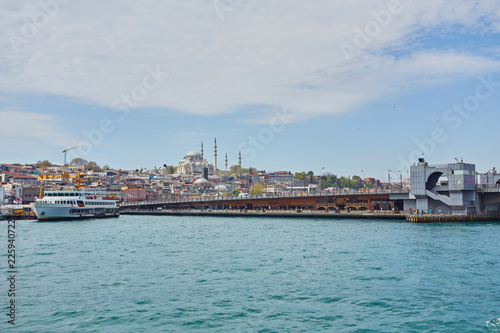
293 86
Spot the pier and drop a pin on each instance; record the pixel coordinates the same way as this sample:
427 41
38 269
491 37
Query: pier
282 214
492 216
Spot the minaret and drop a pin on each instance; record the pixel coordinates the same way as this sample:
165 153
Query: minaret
226 161
239 160
202 151
215 156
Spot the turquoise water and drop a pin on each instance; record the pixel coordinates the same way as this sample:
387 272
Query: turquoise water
175 274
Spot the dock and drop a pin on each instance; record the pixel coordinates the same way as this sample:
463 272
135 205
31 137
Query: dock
282 214
492 216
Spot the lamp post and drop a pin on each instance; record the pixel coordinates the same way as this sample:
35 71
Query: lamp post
389 178
401 180
321 178
364 177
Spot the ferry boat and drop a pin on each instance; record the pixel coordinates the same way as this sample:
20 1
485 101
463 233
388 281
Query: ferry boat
73 204
57 205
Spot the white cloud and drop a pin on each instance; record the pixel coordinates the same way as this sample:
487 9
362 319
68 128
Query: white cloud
32 128
272 53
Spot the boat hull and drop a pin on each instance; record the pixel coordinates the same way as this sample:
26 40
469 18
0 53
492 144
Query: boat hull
52 212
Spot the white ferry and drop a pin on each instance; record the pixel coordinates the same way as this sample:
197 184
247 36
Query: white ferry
57 205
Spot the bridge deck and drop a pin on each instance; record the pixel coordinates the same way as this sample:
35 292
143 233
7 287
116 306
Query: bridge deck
265 199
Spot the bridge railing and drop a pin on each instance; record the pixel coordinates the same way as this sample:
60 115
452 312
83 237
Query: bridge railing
485 188
198 199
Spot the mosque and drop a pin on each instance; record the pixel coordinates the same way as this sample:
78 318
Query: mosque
194 163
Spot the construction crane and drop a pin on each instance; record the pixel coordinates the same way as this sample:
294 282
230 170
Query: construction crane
65 150
63 175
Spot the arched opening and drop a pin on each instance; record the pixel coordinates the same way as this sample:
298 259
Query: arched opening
321 208
362 208
350 208
432 180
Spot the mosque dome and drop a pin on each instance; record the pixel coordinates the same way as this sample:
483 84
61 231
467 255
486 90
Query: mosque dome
221 188
193 154
201 181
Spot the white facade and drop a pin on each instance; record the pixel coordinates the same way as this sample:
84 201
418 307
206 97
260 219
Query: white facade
193 163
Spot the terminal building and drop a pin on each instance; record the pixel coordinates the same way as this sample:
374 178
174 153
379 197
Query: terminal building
453 188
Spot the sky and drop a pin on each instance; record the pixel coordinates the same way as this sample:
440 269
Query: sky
346 87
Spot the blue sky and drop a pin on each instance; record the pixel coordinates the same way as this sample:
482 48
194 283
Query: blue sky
347 86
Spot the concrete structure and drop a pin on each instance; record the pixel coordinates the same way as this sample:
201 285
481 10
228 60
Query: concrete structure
445 189
489 179
488 191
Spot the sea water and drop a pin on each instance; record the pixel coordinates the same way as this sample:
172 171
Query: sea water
221 274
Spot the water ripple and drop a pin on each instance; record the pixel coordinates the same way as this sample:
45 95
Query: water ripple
142 274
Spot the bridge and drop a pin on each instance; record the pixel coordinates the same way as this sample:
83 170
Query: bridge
441 189
340 201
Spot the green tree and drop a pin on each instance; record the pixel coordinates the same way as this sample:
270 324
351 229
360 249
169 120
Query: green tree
310 176
234 169
104 168
257 189
43 164
171 169
78 162
300 175
92 166
236 192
